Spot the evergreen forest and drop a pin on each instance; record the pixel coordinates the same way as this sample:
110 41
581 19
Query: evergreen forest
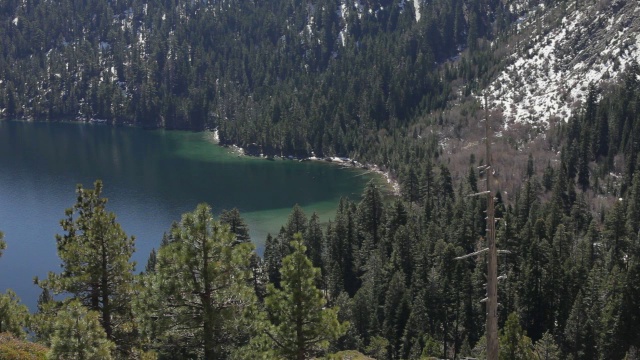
279 77
360 79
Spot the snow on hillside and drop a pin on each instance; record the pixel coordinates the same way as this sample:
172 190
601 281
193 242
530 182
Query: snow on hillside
550 76
416 6
361 8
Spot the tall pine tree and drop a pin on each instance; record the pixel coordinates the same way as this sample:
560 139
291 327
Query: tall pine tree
96 263
195 299
300 325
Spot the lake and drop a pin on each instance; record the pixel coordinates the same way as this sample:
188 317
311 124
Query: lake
150 177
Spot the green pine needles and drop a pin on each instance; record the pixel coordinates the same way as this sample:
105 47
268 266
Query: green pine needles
300 326
194 301
96 264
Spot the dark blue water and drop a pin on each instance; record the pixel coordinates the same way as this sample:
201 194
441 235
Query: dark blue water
150 179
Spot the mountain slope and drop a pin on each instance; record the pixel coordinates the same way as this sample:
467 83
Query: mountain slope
569 49
327 77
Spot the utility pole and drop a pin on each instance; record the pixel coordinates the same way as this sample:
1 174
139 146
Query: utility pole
492 259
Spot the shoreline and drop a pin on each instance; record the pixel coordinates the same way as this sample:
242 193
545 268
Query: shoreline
345 162
336 160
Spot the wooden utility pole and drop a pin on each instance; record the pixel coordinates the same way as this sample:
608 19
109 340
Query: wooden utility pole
492 258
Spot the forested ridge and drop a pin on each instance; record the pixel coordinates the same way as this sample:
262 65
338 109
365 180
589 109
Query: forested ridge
327 77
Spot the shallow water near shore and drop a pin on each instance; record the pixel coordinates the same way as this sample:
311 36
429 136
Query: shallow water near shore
150 179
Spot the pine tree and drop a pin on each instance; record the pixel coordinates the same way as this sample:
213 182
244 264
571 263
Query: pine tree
444 186
396 311
301 327
547 177
370 214
417 324
236 223
546 348
151 261
432 348
615 232
344 245
514 343
275 249
313 240
397 217
583 173
79 336
13 315
96 263
530 167
42 322
630 303
610 329
195 300
410 185
633 207
579 331
531 293
427 185
297 223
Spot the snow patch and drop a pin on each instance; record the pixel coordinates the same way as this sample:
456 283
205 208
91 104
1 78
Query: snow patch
552 77
416 6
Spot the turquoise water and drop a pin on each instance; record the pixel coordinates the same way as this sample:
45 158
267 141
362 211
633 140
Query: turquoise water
150 179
